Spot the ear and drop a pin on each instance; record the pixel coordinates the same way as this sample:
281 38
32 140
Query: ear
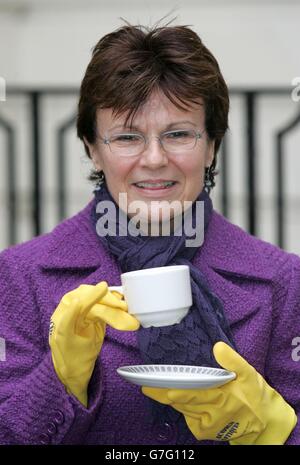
94 154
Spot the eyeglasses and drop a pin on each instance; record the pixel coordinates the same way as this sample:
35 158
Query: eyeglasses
130 144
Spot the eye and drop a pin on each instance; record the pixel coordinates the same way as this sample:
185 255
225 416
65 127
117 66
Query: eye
126 138
182 134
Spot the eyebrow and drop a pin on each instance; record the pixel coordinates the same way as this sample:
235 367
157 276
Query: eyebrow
169 126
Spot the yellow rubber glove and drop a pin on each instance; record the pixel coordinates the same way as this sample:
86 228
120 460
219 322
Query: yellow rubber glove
245 411
77 331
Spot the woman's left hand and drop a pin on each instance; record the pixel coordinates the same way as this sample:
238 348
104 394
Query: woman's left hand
245 411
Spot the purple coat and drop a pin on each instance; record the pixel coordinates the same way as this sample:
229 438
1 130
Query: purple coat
258 283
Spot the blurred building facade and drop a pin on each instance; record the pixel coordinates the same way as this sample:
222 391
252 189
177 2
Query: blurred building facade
45 47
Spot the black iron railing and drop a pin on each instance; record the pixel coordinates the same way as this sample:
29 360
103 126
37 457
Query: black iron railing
250 98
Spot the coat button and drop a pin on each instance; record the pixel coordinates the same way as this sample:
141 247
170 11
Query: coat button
44 439
58 417
51 428
167 433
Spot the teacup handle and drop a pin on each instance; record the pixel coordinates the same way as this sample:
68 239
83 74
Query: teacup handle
116 288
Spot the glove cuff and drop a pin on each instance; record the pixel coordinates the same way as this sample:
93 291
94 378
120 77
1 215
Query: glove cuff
78 390
280 420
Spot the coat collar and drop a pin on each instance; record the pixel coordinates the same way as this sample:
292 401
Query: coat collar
74 245
228 252
229 249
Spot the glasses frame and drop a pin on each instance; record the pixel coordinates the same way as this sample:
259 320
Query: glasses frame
107 141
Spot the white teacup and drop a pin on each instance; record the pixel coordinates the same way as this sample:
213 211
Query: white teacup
157 296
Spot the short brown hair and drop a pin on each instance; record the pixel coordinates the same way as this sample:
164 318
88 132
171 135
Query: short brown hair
128 64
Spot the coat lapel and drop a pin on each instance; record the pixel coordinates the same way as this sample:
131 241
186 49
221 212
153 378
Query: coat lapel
74 246
233 263
223 258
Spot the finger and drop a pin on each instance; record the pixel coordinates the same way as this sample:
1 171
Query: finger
73 307
115 317
118 295
158 394
230 359
203 418
111 300
204 411
90 294
195 426
196 397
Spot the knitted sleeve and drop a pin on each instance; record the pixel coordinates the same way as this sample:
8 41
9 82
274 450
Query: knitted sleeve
283 360
34 406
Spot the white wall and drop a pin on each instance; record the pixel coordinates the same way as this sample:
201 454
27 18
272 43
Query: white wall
48 43
256 42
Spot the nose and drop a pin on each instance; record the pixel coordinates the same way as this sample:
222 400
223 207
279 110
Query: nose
154 155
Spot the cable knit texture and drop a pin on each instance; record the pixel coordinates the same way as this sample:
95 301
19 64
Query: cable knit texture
258 283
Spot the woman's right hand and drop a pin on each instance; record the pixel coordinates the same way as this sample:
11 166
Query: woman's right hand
77 330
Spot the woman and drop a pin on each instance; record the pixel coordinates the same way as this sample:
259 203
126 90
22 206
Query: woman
152 113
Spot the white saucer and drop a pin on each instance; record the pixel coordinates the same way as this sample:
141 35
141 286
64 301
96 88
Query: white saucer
176 376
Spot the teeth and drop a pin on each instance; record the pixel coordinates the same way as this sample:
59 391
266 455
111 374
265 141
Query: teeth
156 184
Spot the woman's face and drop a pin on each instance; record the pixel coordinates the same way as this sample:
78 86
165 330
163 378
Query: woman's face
185 168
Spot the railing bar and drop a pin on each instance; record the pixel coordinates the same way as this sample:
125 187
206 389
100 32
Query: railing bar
251 161
61 176
61 167
279 192
36 191
44 91
250 96
280 180
11 167
75 90
11 176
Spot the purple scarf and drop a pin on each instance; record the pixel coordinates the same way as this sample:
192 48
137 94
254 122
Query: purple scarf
190 342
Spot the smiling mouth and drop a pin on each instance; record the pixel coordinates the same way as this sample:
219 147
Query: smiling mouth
155 185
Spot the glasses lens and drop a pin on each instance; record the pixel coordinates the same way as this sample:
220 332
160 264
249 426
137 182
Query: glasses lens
184 139
127 144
